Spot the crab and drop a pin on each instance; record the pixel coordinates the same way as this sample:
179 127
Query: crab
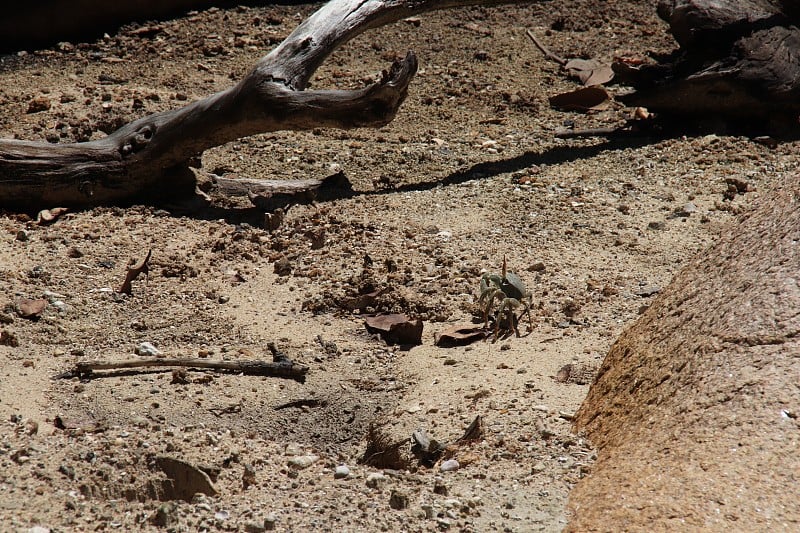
509 289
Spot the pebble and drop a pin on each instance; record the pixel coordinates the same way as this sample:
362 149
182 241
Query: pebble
254 527
146 349
39 529
451 465
292 449
341 472
38 104
269 521
302 461
22 236
646 292
248 476
452 503
375 480
398 500
165 515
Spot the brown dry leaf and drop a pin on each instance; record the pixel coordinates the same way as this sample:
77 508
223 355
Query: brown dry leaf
48 216
584 99
589 72
31 308
396 328
460 335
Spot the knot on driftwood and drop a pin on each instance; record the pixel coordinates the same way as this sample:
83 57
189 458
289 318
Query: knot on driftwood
138 140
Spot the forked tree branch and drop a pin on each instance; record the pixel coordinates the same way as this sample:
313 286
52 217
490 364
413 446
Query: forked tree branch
149 158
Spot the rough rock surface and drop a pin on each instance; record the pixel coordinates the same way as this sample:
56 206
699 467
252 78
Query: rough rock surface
695 410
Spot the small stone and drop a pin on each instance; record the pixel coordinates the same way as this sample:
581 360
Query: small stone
146 349
39 529
22 236
165 515
269 521
428 510
292 449
398 500
537 267
440 488
248 476
452 503
538 468
254 527
302 461
646 292
283 267
375 480
341 472
659 225
451 465
38 104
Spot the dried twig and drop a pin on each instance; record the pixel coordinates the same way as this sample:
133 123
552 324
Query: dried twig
547 53
133 272
303 402
283 368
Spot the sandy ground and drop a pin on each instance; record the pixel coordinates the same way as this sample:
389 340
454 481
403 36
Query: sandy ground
469 172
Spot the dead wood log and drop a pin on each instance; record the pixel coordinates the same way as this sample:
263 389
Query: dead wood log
738 64
149 158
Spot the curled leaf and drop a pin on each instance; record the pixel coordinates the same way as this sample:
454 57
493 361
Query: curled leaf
460 335
589 72
396 328
583 99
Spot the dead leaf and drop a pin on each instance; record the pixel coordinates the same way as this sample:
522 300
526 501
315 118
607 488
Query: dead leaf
48 216
396 328
584 99
31 309
589 72
460 335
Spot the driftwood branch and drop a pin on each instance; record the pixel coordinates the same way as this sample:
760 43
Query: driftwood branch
149 158
738 63
546 51
279 369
